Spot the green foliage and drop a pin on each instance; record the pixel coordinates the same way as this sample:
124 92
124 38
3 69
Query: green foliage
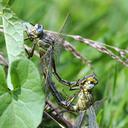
23 106
13 35
3 84
21 93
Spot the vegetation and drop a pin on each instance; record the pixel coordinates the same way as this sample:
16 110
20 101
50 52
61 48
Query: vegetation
21 106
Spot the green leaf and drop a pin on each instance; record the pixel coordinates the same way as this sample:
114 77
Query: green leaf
3 84
22 107
13 32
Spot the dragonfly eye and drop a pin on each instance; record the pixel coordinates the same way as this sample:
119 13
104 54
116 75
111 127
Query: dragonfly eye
92 82
90 86
39 29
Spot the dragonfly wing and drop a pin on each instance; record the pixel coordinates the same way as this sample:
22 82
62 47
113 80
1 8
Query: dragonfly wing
81 121
98 104
92 118
48 78
46 69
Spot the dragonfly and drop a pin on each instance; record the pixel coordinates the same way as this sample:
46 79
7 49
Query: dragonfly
85 99
46 42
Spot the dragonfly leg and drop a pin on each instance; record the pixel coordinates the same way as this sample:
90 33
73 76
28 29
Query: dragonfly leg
69 103
31 52
74 87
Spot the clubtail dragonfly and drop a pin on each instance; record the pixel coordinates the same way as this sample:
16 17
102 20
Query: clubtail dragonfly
46 42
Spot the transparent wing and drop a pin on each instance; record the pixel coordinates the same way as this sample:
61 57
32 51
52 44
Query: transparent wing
87 119
46 68
81 121
58 45
47 63
60 42
66 23
92 118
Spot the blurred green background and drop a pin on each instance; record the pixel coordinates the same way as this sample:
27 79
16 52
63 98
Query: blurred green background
104 21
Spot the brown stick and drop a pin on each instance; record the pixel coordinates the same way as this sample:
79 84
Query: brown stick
55 115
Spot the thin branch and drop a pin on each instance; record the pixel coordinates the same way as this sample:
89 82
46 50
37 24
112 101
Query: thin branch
53 118
54 114
103 48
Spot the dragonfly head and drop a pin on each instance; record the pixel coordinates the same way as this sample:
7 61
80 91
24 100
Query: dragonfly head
35 32
39 30
90 81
